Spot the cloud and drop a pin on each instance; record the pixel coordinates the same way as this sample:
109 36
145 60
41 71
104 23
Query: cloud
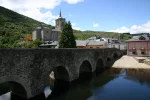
32 8
95 25
75 27
145 28
73 1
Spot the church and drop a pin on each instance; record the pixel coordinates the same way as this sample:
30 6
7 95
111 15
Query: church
47 34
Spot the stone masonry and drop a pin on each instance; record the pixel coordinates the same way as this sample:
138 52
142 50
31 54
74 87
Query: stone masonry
31 67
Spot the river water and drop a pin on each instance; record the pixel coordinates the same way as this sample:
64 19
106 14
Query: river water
112 84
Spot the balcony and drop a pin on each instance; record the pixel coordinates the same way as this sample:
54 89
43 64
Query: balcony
142 49
133 49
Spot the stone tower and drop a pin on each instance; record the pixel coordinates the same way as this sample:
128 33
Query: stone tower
60 22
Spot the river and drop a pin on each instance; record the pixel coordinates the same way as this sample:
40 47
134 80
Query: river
112 84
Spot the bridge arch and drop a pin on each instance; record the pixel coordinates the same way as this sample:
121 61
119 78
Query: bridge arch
108 62
85 67
115 55
17 85
61 73
99 65
108 59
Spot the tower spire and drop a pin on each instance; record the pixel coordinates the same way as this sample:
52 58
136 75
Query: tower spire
60 13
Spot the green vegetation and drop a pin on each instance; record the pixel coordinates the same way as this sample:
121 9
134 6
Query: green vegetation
34 44
67 39
14 26
83 35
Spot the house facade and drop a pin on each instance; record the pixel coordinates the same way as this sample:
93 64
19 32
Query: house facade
139 46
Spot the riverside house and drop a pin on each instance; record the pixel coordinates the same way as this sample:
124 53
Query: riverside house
139 45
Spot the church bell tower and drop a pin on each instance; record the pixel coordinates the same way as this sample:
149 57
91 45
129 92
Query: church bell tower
60 22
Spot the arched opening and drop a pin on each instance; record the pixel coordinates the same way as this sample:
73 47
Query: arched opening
60 73
121 55
99 66
61 82
108 63
85 71
115 56
13 91
108 59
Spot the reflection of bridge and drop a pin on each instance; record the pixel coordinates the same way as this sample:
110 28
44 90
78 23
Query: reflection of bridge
31 67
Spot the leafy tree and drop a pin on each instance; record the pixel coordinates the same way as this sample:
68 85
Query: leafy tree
67 39
34 44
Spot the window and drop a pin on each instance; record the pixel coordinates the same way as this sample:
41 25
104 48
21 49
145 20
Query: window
142 45
133 45
57 23
142 38
143 53
134 52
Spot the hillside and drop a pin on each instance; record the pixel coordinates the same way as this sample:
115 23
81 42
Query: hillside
14 26
83 35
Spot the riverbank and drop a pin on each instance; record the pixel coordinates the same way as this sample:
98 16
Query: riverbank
129 62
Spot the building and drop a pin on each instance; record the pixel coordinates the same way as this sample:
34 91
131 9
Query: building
49 44
47 34
80 44
96 44
91 43
111 43
139 45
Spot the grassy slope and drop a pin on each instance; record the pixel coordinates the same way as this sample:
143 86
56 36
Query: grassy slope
13 26
83 35
16 23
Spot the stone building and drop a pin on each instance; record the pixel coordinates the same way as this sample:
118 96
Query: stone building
47 34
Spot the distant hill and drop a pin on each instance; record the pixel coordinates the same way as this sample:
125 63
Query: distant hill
83 35
13 22
14 26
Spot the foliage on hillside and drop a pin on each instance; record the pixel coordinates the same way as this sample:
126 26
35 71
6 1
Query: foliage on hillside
14 26
83 35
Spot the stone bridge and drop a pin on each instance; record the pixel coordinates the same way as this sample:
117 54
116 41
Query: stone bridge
31 67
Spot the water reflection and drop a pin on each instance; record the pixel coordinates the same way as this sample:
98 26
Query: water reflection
141 76
113 84
47 91
5 96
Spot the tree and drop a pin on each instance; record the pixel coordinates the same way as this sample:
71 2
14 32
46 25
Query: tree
34 44
67 39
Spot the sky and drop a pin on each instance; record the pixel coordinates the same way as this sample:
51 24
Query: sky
98 15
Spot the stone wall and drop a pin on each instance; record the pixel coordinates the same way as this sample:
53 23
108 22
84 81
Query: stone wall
31 67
